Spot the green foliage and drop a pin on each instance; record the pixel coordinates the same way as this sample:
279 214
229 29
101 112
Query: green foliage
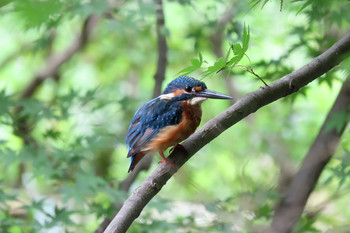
196 64
339 172
239 50
37 13
6 103
254 3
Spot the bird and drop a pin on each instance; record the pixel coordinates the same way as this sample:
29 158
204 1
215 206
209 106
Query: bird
168 119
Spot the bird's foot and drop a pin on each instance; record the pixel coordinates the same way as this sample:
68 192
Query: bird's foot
181 147
170 162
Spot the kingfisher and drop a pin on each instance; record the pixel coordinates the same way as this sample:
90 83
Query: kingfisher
168 119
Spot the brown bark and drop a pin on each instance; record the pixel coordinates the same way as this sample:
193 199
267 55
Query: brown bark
162 49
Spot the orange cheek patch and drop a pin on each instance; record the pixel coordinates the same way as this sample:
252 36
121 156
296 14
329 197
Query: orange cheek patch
178 92
198 88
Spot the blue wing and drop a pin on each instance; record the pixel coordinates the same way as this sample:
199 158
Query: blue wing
148 120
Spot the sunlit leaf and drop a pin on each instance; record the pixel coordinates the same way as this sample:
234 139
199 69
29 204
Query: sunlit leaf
218 65
196 64
234 61
237 49
37 13
245 38
306 4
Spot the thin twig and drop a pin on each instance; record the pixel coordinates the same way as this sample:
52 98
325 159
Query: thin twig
250 70
250 62
253 73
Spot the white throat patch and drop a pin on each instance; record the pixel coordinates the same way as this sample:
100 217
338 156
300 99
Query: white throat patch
197 100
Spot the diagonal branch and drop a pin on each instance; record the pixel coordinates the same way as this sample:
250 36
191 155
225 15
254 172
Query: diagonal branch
290 208
54 61
246 105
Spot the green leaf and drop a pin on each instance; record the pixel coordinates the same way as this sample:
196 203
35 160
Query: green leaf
5 103
15 229
4 197
200 57
239 53
233 61
304 6
35 109
187 70
36 13
52 133
219 65
237 49
61 216
245 38
266 1
254 2
86 184
196 64
227 55
8 156
264 211
4 2
37 205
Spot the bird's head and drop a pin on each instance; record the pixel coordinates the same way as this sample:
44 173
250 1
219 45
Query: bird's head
189 89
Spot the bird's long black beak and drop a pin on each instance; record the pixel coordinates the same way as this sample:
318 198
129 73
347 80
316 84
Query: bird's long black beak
212 94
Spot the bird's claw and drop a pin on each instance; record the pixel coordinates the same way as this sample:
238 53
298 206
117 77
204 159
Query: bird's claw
170 162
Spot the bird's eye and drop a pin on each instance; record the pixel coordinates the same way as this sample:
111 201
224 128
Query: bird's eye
188 88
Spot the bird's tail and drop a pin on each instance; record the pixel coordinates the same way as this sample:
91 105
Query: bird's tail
134 160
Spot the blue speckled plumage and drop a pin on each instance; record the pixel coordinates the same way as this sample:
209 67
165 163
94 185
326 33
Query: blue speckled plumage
155 115
158 114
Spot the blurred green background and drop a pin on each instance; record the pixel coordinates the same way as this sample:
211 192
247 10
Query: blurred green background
63 149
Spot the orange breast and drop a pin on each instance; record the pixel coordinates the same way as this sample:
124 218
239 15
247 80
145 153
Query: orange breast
174 134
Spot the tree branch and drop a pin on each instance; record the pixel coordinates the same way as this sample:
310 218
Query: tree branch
162 49
290 208
246 105
54 61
